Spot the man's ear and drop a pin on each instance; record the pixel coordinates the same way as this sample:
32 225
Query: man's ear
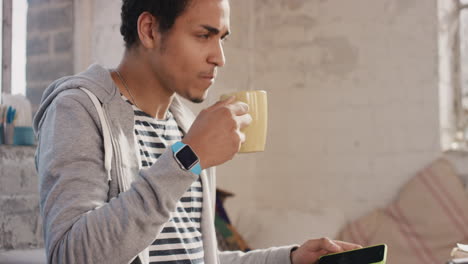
148 30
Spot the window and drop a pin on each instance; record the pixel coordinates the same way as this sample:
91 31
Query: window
453 74
14 55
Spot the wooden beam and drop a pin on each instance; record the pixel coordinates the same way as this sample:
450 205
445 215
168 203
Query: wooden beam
463 6
6 45
83 31
457 75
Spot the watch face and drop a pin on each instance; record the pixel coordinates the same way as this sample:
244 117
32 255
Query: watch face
187 157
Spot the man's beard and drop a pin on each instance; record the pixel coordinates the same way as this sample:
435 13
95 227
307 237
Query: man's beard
197 100
200 99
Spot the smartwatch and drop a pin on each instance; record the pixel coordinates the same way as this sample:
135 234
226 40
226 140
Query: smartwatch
186 158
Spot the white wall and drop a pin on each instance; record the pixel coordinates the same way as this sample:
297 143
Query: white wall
353 100
97 33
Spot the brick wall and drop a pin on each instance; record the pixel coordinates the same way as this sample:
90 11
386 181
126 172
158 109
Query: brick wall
50 45
20 224
354 93
49 56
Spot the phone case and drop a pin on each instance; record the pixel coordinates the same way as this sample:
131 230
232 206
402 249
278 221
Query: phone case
383 261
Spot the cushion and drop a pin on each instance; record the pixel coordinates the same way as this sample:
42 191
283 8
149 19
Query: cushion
423 224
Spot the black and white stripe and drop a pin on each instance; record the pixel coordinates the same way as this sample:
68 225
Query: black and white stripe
180 241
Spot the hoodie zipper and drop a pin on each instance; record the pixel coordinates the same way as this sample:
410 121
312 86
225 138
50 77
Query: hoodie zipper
122 186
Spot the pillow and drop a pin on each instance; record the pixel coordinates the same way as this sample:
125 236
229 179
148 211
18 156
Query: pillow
429 216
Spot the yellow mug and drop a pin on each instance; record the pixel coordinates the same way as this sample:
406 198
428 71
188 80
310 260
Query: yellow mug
255 133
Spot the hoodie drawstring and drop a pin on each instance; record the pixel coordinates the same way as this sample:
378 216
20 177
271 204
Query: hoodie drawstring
105 133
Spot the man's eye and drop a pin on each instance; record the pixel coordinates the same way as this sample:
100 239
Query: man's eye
204 36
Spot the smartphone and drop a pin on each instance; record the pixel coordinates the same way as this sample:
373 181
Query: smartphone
369 255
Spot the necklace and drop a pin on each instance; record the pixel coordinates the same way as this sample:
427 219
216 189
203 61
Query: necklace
126 87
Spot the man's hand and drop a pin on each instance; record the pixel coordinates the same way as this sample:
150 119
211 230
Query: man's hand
312 250
215 135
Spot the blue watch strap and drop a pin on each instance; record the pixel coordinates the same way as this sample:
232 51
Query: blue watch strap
177 146
196 169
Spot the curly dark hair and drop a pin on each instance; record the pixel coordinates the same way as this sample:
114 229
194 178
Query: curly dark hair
165 11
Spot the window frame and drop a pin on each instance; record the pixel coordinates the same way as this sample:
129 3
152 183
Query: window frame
7 39
453 115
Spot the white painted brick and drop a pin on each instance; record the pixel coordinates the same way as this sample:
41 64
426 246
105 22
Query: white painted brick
259 223
108 12
241 31
348 131
108 55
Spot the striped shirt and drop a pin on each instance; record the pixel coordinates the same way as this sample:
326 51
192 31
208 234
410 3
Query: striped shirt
180 241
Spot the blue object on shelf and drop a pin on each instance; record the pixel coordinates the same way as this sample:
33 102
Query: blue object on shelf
10 116
24 136
1 133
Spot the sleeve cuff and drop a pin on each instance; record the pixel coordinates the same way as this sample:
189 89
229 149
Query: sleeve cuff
294 248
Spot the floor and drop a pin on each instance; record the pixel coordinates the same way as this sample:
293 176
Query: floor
31 256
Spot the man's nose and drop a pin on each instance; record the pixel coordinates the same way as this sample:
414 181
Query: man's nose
217 55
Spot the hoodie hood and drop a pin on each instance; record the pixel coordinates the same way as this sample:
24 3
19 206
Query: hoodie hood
96 79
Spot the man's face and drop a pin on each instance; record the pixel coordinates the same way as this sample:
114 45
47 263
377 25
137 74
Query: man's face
191 51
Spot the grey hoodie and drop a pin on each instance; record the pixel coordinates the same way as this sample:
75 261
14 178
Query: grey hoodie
91 218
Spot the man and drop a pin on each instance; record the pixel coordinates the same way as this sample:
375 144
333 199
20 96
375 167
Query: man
153 201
